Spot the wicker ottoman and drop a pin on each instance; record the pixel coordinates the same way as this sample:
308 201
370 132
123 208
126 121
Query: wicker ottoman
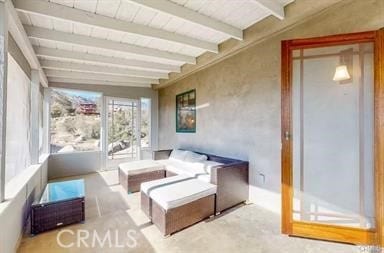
152 185
178 205
132 174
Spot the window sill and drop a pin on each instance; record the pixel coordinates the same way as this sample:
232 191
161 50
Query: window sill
43 157
16 184
75 152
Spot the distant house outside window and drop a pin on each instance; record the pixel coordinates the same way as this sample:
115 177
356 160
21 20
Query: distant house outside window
75 121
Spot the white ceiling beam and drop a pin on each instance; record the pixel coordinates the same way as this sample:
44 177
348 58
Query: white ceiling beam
273 7
191 16
64 80
18 33
75 39
49 64
107 60
66 13
101 77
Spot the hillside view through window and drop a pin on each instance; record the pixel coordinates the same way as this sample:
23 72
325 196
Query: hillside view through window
75 121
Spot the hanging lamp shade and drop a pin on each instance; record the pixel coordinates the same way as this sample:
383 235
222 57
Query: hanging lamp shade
341 73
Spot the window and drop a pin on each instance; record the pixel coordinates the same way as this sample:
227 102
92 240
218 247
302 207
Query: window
41 124
145 122
74 121
18 128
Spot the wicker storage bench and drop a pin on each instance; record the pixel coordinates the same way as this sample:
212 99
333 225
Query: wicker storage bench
177 205
132 174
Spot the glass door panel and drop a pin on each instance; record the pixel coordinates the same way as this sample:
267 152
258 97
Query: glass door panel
333 135
123 131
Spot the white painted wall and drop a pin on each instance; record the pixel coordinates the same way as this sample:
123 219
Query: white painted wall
73 163
26 186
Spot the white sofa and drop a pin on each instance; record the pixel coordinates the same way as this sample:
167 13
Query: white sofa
184 162
229 175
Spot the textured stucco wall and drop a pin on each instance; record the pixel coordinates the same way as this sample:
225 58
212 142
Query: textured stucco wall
240 99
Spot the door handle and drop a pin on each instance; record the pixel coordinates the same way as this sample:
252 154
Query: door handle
287 135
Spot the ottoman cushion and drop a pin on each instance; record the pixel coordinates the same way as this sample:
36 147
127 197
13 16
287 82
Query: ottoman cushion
154 184
139 167
181 193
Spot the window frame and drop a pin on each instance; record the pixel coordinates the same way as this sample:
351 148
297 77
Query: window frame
149 122
332 232
106 101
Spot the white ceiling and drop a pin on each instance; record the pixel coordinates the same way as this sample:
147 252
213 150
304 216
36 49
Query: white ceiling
140 40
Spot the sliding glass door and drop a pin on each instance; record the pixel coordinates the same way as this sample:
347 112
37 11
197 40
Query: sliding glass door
328 139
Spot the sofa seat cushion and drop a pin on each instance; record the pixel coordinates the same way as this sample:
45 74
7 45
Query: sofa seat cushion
174 166
142 166
180 193
179 167
147 187
205 178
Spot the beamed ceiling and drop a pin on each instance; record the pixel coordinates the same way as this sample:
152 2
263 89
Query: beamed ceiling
132 42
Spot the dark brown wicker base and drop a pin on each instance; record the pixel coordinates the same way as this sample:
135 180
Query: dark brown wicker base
132 183
53 215
145 204
178 218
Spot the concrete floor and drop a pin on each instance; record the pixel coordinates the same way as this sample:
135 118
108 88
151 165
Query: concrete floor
108 208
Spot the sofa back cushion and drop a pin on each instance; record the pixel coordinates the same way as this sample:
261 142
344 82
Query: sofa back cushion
204 167
209 165
193 157
178 154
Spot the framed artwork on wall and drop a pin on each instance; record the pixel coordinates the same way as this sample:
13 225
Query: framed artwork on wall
186 112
